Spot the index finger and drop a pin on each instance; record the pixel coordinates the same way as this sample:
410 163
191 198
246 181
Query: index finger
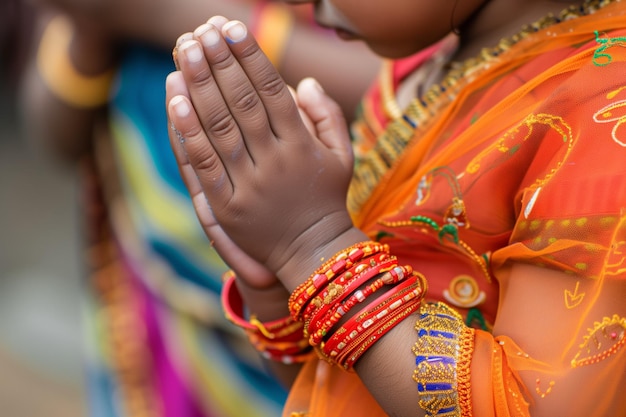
280 107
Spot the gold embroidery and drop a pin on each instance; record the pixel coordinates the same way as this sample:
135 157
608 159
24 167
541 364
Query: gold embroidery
615 263
418 115
614 112
503 149
605 339
543 394
464 291
443 354
573 299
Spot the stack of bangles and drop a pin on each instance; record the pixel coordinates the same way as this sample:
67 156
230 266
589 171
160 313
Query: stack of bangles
280 340
350 282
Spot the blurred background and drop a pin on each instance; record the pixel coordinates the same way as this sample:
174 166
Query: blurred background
40 323
42 363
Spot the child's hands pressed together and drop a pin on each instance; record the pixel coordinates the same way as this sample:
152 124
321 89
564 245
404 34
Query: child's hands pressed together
268 168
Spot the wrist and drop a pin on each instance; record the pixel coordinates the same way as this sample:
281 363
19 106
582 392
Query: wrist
314 252
268 303
277 339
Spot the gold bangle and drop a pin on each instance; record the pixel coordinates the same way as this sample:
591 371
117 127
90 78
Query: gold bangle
443 354
273 26
61 77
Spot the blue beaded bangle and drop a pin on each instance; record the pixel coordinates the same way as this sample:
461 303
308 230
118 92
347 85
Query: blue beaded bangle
437 350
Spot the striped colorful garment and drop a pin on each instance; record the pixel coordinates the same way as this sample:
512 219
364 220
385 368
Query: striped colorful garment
159 344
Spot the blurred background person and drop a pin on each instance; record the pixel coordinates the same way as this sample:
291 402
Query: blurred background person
94 95
39 325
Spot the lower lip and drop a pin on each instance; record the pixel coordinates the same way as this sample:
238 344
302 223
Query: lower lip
345 35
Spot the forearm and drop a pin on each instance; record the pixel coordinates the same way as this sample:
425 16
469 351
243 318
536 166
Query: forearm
63 126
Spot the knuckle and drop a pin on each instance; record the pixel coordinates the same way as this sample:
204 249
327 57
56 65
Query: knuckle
222 60
246 101
251 51
200 77
206 163
221 123
272 86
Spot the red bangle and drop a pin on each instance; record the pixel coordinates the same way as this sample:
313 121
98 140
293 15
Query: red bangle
344 284
280 340
232 304
325 320
349 359
351 329
361 295
348 344
285 352
336 265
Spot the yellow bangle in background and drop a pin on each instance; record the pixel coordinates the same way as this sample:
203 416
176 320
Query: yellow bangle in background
58 72
272 30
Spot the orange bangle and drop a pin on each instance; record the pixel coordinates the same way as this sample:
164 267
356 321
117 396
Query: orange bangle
344 284
325 319
60 75
336 265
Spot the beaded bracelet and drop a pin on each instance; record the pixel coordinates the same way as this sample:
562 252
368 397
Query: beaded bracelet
336 265
394 275
326 317
61 77
345 284
356 331
353 355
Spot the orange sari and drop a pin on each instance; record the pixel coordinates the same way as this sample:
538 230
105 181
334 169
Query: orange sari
519 157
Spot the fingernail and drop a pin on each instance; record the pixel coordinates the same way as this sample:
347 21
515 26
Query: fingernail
317 85
180 106
192 51
235 31
208 35
217 21
183 38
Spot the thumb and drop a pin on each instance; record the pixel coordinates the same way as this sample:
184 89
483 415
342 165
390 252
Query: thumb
326 116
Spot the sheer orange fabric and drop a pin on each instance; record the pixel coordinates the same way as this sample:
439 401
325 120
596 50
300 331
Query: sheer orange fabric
525 165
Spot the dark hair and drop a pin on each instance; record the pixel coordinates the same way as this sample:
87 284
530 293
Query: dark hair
16 29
